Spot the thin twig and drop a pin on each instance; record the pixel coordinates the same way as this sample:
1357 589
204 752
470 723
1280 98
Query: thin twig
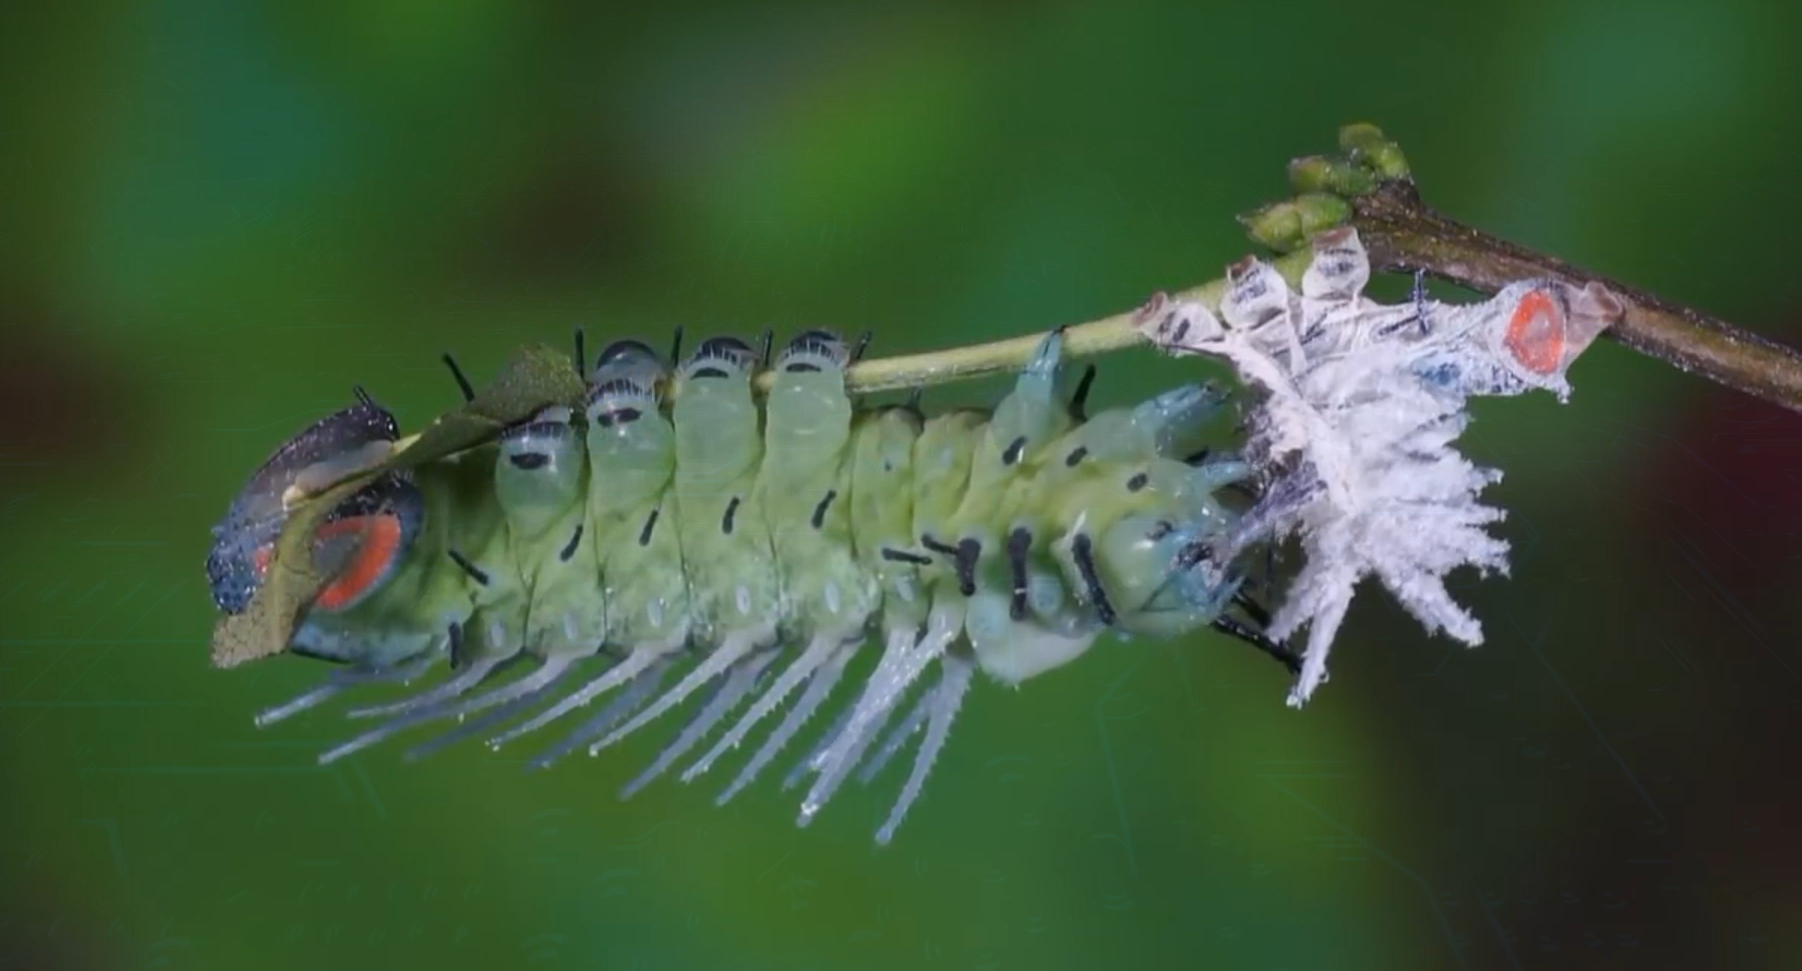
1103 336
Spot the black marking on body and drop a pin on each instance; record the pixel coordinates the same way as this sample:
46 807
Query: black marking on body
1191 555
529 460
709 372
1019 542
1159 530
1076 455
650 523
469 391
454 635
731 514
618 416
968 552
476 573
569 548
904 556
1396 325
1083 549
1199 457
1138 482
1079 402
800 367
1013 451
945 549
819 511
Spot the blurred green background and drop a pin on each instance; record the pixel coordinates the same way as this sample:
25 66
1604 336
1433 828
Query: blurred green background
214 218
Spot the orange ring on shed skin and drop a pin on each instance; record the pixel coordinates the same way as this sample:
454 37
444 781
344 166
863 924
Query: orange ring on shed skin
381 544
1536 333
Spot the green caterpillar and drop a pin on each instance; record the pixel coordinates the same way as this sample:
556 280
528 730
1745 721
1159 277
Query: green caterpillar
684 522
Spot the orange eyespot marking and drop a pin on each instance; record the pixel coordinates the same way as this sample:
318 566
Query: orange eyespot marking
380 545
260 558
1536 333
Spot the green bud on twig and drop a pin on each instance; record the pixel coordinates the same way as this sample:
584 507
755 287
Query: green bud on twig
1366 145
1287 226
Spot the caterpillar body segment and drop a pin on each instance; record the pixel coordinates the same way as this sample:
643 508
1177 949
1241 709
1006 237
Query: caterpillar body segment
632 509
682 535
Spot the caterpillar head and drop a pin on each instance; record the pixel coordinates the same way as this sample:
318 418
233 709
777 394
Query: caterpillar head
1163 565
1164 576
360 542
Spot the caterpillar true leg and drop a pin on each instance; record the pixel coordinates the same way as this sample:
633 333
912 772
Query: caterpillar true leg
739 682
1232 627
